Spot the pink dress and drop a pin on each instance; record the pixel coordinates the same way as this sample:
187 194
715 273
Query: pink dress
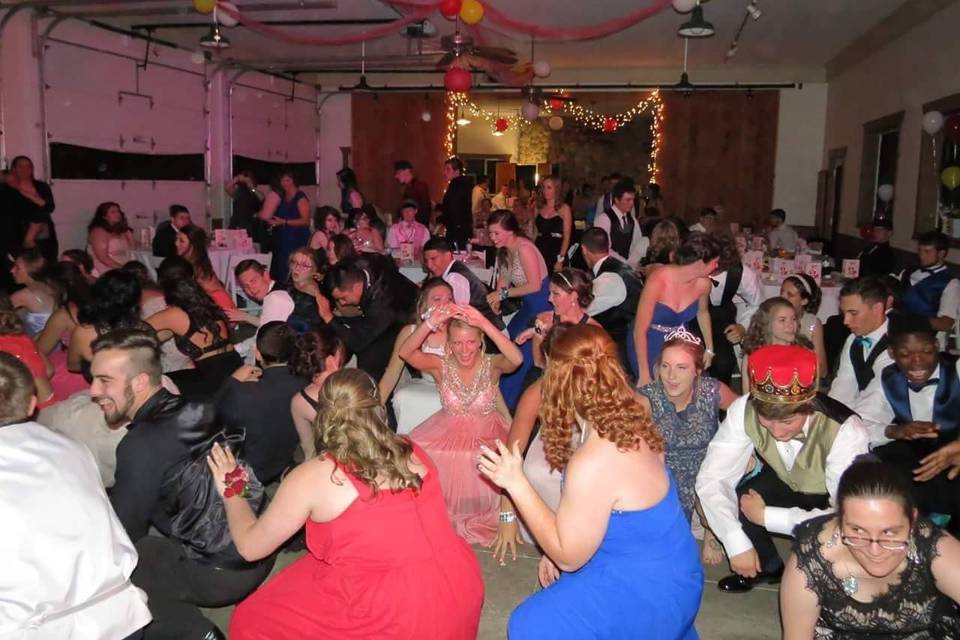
452 438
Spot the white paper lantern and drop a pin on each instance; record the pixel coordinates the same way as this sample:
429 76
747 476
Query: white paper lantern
684 6
426 116
932 122
555 123
530 111
542 68
222 17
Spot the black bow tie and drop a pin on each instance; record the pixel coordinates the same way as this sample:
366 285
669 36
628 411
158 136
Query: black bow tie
715 282
917 388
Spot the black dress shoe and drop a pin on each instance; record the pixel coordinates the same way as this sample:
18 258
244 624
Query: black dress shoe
735 583
214 634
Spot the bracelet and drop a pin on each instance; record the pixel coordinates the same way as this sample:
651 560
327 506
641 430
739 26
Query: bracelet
506 517
504 293
710 351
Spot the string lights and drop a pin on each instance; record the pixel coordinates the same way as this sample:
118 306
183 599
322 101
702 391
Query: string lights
584 116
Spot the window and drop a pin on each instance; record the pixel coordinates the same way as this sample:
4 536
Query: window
936 154
881 141
266 172
73 162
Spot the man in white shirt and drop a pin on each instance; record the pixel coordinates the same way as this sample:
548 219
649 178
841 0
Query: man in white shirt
781 235
66 559
804 442
478 194
708 218
467 288
616 289
256 283
605 199
920 416
863 304
626 238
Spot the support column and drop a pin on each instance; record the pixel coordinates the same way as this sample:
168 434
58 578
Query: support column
21 130
220 153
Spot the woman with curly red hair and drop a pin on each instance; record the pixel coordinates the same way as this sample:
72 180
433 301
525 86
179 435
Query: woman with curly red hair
619 537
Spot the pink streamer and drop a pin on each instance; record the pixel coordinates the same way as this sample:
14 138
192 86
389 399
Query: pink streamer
572 33
421 12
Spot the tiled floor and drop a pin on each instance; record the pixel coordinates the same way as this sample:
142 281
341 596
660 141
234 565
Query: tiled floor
751 616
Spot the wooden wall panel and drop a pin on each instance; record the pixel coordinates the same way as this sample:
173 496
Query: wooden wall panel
719 148
389 127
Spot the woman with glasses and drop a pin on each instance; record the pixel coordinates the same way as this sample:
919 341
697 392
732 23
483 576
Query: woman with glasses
304 267
874 569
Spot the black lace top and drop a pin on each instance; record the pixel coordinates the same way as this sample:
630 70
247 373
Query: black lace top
912 609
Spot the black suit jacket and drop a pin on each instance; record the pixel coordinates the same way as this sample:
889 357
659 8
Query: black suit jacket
262 409
165 240
457 205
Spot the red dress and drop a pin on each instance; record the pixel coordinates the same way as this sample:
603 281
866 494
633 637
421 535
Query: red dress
389 568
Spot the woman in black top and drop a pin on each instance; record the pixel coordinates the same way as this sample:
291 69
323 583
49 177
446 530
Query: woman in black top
32 203
316 355
554 224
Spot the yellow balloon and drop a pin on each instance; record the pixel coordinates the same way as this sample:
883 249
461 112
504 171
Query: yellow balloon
951 177
471 12
204 6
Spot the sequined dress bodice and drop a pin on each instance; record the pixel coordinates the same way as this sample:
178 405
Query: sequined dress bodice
476 398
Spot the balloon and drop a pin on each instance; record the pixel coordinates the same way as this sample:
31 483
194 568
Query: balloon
450 8
951 128
471 12
222 17
530 110
951 177
885 192
932 121
204 6
555 123
426 116
541 68
457 79
501 124
684 6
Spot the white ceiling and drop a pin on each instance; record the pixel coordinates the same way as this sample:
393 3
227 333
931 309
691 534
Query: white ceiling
792 37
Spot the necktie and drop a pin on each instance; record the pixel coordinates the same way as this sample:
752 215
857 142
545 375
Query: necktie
917 388
863 341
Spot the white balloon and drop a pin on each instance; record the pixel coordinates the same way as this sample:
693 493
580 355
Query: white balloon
932 122
530 110
555 123
684 6
542 68
222 17
426 116
885 192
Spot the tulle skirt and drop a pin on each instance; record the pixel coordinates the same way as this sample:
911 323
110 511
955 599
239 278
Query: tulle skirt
453 443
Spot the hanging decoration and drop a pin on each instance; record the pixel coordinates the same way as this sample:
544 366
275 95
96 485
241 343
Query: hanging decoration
555 123
453 103
471 12
450 9
417 11
501 124
223 18
885 192
542 69
609 125
457 80
556 104
530 111
932 122
951 177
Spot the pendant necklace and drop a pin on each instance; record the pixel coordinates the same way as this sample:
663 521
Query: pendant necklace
850 585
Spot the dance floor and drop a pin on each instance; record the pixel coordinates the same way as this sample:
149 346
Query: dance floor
750 616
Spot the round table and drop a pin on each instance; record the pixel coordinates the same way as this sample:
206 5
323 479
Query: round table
223 262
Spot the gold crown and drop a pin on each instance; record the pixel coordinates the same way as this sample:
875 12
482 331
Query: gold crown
794 392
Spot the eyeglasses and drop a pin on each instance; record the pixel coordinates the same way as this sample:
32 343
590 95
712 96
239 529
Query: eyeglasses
857 542
302 265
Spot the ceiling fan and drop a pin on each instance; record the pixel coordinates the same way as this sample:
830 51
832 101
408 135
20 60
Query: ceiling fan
461 48
536 95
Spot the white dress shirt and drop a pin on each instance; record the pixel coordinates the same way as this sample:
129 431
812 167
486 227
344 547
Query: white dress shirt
638 244
921 409
459 284
698 227
783 237
723 467
277 305
869 402
608 290
66 559
747 298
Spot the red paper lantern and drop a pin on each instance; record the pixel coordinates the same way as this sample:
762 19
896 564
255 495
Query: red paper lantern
951 128
556 104
451 8
457 79
610 125
501 124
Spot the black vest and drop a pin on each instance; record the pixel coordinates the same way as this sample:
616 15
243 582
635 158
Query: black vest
725 314
478 293
863 369
617 320
621 237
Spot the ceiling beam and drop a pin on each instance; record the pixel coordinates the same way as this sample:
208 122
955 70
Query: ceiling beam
904 18
278 23
306 5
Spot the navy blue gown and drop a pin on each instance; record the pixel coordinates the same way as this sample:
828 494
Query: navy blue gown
287 239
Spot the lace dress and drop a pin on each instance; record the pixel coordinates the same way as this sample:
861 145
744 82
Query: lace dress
912 609
452 438
687 433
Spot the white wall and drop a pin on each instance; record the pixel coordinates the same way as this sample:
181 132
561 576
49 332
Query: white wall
800 131
918 67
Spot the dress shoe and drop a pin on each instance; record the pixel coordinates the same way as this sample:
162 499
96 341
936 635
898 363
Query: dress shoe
214 634
735 583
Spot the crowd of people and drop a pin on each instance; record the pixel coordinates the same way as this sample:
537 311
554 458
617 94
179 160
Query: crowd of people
617 390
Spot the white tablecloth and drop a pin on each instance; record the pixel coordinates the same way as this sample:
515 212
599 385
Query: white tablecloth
829 304
415 401
222 260
417 274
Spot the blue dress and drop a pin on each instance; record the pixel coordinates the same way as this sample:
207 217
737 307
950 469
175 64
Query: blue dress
687 433
287 239
645 581
664 321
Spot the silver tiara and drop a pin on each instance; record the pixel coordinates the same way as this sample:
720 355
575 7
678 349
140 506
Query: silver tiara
681 333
